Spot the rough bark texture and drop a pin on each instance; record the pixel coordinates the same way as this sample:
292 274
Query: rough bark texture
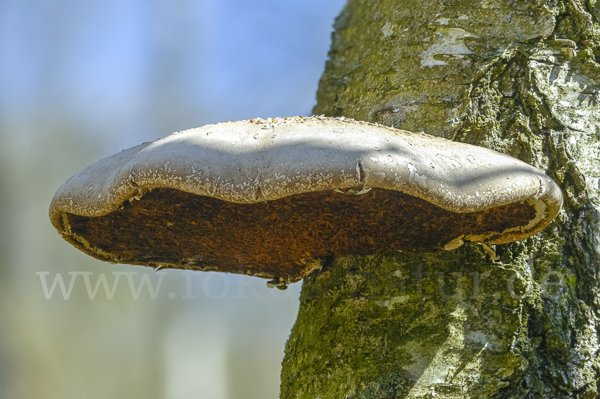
520 77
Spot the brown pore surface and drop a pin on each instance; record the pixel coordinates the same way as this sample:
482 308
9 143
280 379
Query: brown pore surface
178 229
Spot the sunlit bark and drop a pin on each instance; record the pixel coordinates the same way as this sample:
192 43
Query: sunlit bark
521 77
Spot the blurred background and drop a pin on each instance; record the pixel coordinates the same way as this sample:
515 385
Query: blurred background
81 80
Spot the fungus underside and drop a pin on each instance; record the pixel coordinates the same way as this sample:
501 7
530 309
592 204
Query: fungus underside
273 238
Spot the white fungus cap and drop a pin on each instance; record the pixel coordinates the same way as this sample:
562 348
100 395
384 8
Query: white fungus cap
258 160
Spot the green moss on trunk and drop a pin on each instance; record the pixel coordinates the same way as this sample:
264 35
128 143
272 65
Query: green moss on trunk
387 326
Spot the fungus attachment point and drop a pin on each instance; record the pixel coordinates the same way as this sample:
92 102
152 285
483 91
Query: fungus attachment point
269 204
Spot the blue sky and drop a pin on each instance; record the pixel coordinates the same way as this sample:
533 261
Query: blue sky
152 65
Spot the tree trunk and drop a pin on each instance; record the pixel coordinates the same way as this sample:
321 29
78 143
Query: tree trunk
520 77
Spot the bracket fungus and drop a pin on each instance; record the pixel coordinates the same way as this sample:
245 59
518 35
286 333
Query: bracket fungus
271 197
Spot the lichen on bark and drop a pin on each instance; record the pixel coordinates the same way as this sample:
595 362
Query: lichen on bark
371 326
520 77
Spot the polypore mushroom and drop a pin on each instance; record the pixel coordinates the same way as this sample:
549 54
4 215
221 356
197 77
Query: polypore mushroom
270 197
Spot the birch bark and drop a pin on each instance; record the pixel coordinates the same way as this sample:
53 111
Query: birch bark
523 78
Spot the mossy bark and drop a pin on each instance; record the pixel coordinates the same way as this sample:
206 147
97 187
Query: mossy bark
520 77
